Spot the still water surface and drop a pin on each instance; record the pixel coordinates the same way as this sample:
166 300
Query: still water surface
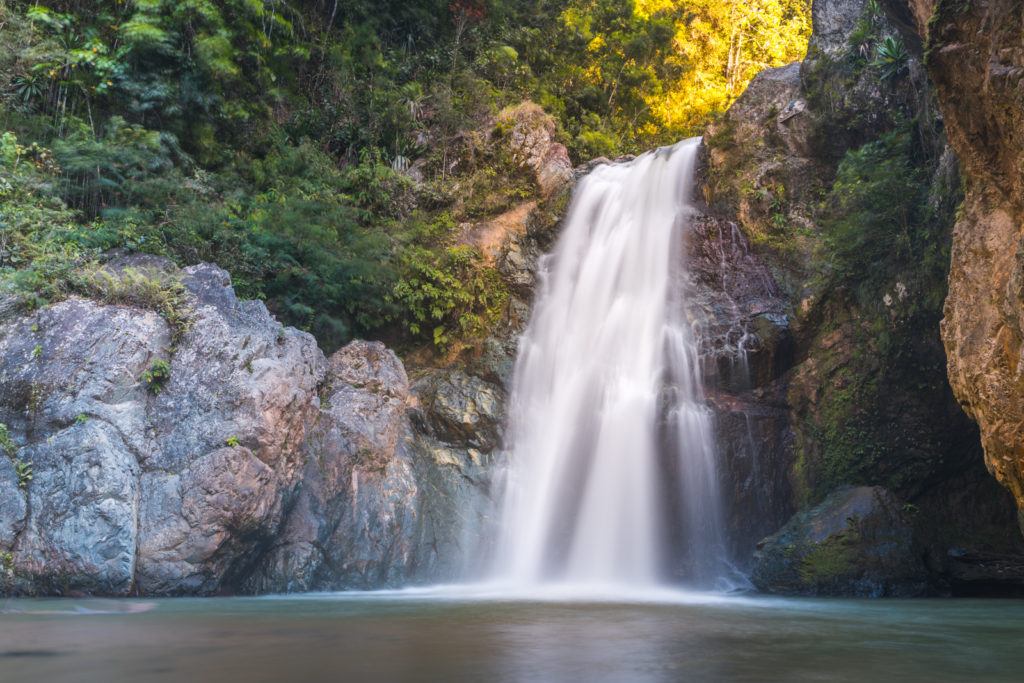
435 636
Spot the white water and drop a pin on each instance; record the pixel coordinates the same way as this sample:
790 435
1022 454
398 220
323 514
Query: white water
612 479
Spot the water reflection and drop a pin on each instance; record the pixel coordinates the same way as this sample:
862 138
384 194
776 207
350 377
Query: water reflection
439 636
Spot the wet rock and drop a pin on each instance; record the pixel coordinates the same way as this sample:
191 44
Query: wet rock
755 446
456 490
857 543
984 574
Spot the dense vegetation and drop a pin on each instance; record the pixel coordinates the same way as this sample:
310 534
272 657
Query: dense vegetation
326 151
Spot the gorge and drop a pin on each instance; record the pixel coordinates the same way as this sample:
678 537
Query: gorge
493 340
719 360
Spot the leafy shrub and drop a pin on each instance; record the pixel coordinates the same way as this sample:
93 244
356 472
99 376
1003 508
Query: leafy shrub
23 470
876 222
156 377
449 297
7 444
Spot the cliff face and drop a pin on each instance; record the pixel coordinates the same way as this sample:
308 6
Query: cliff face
975 57
801 164
228 455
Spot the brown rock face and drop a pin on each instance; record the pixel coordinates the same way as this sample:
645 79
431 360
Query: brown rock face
532 138
976 60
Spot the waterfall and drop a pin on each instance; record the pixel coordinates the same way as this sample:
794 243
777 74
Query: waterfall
611 477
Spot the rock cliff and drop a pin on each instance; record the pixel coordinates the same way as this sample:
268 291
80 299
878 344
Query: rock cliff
862 384
230 455
975 57
175 440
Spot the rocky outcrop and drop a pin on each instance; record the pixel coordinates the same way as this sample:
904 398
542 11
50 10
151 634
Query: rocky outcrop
531 133
840 395
858 543
228 455
975 57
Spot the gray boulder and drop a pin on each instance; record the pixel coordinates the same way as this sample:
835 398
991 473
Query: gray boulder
459 408
353 521
834 21
255 464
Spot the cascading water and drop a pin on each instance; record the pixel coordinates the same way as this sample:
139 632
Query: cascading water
612 479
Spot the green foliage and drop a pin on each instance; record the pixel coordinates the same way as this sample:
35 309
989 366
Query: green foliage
449 296
232 442
880 225
23 470
891 58
154 291
279 139
156 377
7 444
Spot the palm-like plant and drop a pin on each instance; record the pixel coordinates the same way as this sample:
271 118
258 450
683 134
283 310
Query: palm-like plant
891 58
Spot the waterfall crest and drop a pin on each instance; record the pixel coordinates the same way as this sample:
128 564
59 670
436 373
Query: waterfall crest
612 478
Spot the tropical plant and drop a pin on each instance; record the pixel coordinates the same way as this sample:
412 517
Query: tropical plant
891 58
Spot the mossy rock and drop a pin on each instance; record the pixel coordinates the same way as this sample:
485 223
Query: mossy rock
857 543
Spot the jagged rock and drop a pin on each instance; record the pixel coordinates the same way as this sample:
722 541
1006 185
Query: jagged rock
70 391
354 521
532 139
13 505
789 414
774 100
834 21
857 543
8 307
461 408
237 373
229 474
81 534
237 376
457 501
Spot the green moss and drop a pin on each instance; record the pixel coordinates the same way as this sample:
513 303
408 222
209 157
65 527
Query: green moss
155 291
833 560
